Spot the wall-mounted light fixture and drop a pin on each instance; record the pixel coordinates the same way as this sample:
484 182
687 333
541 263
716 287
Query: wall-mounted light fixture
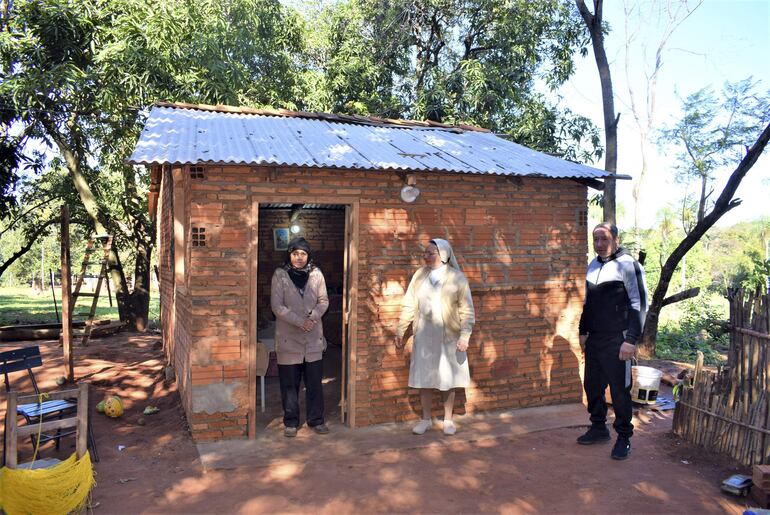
410 191
296 210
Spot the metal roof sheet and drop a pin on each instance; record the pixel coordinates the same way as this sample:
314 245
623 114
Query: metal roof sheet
174 135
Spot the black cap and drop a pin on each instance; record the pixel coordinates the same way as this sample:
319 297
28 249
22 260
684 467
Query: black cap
299 243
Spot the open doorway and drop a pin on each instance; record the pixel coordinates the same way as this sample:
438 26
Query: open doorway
324 227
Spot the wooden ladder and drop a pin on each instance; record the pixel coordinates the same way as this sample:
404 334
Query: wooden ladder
106 242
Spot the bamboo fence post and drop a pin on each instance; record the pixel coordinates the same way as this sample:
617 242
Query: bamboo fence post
729 411
759 440
746 350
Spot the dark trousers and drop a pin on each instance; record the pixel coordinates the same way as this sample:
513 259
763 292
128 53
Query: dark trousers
290 377
603 368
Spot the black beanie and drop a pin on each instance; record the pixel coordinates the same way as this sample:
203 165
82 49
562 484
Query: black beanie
299 243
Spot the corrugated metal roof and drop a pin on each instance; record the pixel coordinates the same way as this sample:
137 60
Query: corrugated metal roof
176 135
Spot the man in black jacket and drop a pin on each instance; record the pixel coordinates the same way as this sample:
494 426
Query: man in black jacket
610 326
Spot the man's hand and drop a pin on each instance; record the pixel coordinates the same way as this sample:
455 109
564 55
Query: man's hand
627 351
308 325
582 339
462 345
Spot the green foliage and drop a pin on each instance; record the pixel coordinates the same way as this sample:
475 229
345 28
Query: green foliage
724 258
77 77
757 274
712 133
738 255
455 61
694 325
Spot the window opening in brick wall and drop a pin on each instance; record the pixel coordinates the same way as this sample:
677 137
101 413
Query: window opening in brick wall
198 172
583 218
198 237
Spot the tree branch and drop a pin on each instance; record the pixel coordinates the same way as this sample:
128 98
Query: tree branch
28 245
723 204
682 295
13 222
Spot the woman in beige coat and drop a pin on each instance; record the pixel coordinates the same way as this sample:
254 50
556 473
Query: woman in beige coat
298 298
439 306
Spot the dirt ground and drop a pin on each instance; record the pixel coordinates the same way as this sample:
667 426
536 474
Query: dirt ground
149 464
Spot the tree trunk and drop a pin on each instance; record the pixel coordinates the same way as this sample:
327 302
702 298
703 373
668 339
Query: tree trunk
702 201
645 123
115 268
594 24
140 296
143 236
723 204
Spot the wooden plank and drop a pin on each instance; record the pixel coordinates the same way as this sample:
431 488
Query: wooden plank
344 408
81 447
11 438
745 378
252 341
766 448
758 438
66 296
29 398
756 375
353 324
751 332
47 426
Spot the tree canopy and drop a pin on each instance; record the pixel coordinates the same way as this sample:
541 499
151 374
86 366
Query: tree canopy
78 77
712 133
477 63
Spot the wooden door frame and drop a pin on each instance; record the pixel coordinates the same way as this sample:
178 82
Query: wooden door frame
349 343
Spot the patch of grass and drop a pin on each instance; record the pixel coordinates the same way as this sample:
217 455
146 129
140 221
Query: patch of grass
22 305
691 326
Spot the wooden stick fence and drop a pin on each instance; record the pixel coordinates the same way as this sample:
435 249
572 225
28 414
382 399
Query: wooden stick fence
728 411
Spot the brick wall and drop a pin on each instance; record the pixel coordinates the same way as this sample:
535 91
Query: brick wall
521 242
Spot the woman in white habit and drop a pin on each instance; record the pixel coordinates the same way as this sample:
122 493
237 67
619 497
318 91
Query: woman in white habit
439 306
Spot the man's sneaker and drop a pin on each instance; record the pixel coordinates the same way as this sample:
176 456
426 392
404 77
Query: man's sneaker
290 432
622 448
594 435
422 426
321 429
449 428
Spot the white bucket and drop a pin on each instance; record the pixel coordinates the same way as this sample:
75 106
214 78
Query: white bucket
645 384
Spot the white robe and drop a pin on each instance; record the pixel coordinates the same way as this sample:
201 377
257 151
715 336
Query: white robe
436 362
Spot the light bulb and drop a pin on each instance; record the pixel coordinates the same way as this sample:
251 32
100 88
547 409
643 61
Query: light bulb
409 194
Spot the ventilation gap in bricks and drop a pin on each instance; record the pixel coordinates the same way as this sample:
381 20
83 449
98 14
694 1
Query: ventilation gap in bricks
198 237
198 172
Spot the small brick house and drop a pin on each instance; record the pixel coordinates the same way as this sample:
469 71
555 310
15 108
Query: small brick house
227 186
